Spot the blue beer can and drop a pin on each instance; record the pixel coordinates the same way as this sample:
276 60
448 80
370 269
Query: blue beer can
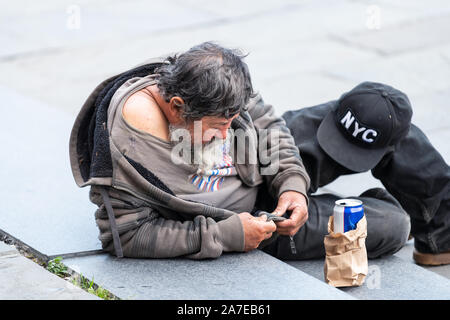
346 214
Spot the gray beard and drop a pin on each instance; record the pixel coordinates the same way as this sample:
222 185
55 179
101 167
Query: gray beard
207 156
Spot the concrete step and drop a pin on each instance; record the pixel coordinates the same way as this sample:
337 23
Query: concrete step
6 249
41 204
406 254
389 278
23 279
253 275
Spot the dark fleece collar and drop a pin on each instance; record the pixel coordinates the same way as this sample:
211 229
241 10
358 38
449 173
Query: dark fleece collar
93 137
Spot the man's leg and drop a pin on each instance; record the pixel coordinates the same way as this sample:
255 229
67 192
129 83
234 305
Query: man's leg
419 178
388 227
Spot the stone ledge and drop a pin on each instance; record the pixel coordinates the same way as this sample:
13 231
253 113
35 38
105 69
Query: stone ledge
389 278
22 279
254 275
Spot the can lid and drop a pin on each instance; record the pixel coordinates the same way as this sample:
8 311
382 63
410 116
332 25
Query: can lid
348 202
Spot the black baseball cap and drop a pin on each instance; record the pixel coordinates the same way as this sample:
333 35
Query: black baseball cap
364 125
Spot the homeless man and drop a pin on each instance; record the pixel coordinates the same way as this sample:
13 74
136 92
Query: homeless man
150 206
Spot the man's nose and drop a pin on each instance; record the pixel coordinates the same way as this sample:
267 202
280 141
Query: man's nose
222 133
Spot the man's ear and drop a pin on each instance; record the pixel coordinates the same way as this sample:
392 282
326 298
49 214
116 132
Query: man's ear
175 105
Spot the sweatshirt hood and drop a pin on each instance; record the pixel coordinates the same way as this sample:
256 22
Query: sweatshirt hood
89 145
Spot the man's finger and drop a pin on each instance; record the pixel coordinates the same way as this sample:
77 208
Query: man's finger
262 217
294 225
282 206
296 219
269 226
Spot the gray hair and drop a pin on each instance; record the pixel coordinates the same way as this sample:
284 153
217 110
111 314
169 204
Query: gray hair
211 80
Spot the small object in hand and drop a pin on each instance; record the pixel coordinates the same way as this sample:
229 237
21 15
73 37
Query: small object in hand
270 216
275 218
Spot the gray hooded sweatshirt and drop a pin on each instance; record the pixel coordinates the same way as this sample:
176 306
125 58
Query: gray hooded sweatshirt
141 215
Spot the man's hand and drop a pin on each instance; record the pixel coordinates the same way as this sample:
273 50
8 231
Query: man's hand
295 202
255 229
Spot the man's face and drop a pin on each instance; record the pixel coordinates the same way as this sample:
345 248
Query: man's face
206 129
212 128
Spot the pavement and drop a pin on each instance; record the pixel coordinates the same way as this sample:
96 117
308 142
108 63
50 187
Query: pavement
23 279
301 53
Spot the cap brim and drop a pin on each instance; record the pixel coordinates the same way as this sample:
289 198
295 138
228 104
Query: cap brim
347 154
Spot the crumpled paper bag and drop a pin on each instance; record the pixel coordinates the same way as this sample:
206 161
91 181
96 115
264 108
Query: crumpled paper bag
346 255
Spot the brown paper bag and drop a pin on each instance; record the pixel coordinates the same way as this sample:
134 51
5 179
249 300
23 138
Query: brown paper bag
346 256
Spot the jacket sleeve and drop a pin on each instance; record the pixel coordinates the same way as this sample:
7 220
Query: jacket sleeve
289 173
145 233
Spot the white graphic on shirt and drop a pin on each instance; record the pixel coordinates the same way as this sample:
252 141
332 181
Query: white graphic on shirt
212 180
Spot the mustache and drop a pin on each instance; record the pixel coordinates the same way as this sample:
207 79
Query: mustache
204 156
